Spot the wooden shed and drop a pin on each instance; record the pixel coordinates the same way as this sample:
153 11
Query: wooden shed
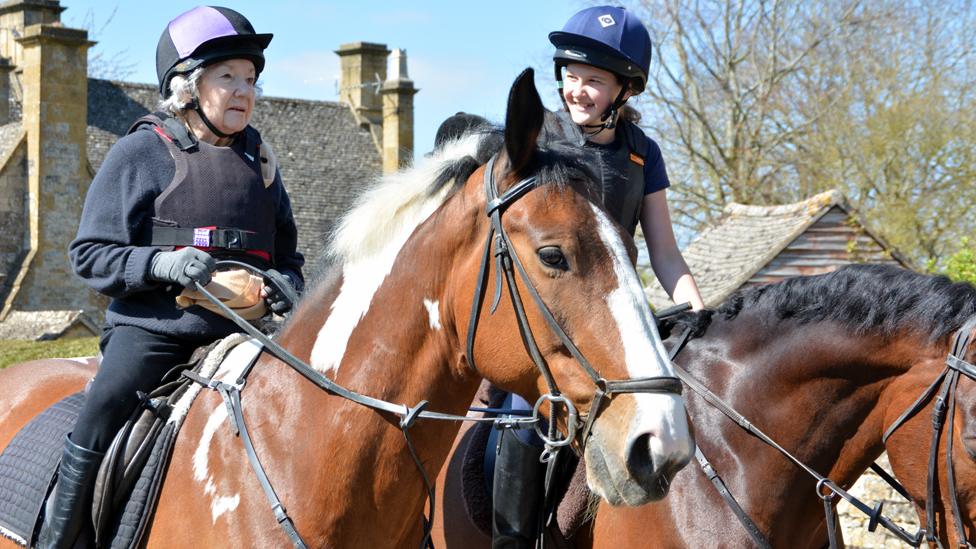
753 245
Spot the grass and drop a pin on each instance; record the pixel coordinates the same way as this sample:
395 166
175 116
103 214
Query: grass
13 351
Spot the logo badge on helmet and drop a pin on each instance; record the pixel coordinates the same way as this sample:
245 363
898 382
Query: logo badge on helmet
606 21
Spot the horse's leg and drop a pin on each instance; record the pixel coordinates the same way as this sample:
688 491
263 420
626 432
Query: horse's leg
29 388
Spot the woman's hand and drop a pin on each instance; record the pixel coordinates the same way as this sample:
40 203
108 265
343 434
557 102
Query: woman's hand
184 267
279 300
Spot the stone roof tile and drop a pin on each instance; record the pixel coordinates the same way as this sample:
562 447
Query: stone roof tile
724 256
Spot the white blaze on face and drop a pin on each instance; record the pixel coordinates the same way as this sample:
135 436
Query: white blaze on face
433 313
645 356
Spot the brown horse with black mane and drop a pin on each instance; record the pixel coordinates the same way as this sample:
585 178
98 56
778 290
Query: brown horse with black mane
390 321
824 365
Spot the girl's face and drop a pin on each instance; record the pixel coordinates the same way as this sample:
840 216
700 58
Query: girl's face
588 92
227 91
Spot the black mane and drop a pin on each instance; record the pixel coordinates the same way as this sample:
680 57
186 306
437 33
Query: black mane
861 297
560 159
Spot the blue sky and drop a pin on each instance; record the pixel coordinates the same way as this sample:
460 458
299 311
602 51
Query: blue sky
462 55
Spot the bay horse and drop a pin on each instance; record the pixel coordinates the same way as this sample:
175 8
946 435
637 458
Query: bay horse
823 365
390 320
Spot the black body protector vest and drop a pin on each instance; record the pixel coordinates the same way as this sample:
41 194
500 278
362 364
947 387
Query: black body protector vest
219 199
624 181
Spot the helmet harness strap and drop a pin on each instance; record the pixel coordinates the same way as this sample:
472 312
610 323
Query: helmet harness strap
195 105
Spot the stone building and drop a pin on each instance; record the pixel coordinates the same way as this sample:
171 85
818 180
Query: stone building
56 126
753 245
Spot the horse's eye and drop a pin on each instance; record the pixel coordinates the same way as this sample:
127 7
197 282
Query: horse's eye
553 257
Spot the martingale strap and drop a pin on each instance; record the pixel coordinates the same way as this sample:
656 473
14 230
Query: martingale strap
826 488
408 415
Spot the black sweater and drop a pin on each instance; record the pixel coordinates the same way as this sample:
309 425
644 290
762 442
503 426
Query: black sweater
111 251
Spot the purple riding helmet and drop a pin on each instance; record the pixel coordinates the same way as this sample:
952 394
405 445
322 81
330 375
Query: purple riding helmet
203 36
609 38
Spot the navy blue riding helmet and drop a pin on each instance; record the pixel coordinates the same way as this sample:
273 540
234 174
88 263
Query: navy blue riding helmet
609 38
203 36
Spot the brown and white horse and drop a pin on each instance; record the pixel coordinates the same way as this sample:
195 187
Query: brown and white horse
390 321
823 365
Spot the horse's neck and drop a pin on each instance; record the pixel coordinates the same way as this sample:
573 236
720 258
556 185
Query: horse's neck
816 389
401 348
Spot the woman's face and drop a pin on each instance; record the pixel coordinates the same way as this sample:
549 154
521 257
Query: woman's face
227 91
588 92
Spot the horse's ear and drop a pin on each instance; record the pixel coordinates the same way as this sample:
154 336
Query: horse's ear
523 121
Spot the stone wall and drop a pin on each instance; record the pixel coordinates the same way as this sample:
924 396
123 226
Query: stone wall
13 197
871 489
55 84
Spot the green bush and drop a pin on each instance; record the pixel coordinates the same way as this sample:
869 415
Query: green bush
14 351
961 266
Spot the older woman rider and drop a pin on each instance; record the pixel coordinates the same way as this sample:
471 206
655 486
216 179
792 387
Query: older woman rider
186 185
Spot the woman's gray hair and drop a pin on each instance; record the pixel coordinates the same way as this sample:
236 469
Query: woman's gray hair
183 88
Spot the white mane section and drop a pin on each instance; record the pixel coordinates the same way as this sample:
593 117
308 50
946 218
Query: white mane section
396 202
369 239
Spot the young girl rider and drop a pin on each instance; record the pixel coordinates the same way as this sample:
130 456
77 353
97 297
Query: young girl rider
602 58
185 186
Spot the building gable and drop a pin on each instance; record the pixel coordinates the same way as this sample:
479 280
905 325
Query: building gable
761 244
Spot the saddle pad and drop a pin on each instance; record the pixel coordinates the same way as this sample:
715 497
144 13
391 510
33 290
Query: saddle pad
132 521
572 509
28 464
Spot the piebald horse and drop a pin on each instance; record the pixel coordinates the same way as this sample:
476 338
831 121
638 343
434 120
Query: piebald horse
390 321
824 365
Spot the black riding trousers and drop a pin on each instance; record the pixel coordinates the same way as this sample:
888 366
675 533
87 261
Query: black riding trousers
133 359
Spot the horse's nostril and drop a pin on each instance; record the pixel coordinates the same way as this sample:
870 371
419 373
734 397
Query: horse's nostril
639 460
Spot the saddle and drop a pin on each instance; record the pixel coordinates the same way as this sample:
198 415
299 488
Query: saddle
130 476
573 497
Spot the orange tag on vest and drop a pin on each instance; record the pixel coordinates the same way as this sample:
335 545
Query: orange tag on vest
637 159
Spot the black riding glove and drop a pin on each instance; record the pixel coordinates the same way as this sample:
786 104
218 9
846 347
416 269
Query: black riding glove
183 267
280 301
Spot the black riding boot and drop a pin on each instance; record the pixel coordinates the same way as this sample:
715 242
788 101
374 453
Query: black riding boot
69 507
516 493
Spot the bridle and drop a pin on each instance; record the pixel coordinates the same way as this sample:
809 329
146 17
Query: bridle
945 401
505 258
827 489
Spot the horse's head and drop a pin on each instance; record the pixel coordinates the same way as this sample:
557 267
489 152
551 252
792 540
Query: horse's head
926 476
546 200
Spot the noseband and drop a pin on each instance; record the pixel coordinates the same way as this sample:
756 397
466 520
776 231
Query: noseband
505 258
945 401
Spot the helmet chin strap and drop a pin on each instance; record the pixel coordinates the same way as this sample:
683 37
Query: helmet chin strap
609 117
195 105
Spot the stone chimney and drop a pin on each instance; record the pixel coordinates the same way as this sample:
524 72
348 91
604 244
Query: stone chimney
397 93
17 15
53 62
363 67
